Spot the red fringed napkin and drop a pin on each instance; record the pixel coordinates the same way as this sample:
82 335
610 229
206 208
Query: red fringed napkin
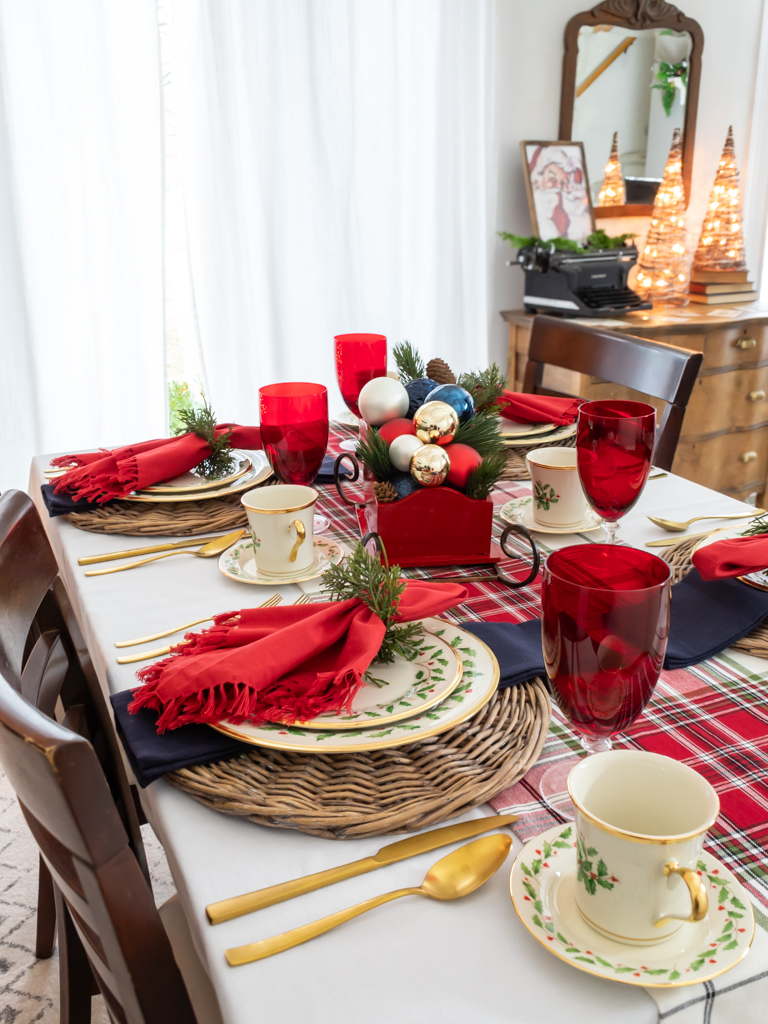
735 557
277 664
539 408
104 475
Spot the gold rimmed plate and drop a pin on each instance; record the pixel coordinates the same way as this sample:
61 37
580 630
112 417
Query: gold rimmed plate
511 428
543 439
480 677
759 579
259 471
239 563
192 481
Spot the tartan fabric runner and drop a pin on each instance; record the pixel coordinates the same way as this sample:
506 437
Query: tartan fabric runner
712 716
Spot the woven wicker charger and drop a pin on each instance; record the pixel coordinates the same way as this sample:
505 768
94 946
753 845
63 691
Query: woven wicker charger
400 789
678 556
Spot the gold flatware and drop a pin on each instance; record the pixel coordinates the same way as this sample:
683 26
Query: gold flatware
188 542
674 527
213 547
657 476
452 877
667 542
236 906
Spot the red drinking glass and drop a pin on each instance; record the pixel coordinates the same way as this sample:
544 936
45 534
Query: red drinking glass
294 429
604 628
359 358
615 446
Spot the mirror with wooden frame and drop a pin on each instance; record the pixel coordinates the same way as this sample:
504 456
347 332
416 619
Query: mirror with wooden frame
631 67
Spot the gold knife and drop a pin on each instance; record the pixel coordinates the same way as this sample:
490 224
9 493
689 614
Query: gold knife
236 906
189 542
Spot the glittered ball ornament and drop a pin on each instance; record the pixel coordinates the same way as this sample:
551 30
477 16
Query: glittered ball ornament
396 428
417 393
430 465
382 399
401 451
404 484
458 398
463 460
436 423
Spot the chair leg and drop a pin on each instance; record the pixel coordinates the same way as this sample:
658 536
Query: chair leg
76 983
45 939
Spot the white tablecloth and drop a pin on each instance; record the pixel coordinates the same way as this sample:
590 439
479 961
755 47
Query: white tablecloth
413 960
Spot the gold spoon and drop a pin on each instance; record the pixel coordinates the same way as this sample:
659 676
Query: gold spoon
674 527
452 877
213 547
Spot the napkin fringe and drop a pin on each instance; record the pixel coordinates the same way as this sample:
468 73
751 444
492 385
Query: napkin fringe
120 479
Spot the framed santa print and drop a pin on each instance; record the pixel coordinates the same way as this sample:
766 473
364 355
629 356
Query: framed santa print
558 190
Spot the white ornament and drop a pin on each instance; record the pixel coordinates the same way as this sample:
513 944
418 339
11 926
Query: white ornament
401 451
382 399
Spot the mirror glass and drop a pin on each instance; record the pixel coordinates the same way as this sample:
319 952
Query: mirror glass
634 82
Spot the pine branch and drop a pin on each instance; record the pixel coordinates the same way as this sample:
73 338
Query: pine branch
203 423
409 363
758 525
485 386
362 576
482 434
484 477
373 451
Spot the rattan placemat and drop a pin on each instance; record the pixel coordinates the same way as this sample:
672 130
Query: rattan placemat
400 789
516 468
678 555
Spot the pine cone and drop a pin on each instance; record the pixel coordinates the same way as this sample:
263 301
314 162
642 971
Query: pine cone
384 492
439 370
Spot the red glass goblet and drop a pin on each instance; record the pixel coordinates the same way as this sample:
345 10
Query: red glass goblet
615 447
604 629
359 358
294 432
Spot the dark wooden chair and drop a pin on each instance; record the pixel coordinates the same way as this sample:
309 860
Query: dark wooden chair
45 659
116 943
660 371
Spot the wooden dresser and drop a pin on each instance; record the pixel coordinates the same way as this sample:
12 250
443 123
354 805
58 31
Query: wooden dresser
724 442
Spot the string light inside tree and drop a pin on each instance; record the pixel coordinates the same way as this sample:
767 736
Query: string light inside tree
721 246
612 192
663 271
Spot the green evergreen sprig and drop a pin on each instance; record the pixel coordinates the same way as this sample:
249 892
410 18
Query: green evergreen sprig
597 240
203 423
758 525
485 386
409 363
373 451
362 576
484 477
482 434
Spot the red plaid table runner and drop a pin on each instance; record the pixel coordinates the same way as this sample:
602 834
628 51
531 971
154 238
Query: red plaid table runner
713 716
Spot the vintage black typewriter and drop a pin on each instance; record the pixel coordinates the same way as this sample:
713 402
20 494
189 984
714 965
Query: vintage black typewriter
590 283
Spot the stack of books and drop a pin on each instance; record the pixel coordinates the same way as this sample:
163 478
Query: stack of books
721 287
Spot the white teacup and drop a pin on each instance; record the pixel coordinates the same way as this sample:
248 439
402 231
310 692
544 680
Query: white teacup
641 819
281 520
558 499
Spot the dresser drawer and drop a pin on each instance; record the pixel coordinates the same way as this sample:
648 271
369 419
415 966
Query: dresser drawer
732 462
735 345
723 401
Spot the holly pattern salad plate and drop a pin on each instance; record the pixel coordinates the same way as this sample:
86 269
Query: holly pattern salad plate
459 688
542 886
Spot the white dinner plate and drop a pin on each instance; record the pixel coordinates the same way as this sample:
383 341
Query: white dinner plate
512 428
193 481
260 470
557 434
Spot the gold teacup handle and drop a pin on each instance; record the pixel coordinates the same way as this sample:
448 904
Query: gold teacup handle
699 899
301 535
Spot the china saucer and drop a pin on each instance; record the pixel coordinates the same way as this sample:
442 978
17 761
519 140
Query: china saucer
519 511
542 885
239 564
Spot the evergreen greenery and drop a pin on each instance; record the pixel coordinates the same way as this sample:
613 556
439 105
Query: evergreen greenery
362 576
203 423
597 240
485 386
482 434
758 525
373 451
484 477
409 363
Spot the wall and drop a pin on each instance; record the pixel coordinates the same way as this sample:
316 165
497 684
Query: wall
529 57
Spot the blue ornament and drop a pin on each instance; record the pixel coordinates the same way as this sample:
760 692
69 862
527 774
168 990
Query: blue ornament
458 399
404 484
417 392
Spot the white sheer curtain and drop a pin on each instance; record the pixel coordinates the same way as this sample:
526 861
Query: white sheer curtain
81 281
336 159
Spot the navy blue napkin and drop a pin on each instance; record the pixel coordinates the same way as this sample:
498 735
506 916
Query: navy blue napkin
705 619
325 476
62 504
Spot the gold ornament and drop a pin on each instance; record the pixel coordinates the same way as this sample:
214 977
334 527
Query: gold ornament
663 267
612 193
430 465
721 246
436 423
440 372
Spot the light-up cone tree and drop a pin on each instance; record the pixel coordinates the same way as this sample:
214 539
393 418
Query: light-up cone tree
612 193
663 271
721 246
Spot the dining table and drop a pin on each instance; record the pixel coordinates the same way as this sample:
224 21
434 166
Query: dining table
415 960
